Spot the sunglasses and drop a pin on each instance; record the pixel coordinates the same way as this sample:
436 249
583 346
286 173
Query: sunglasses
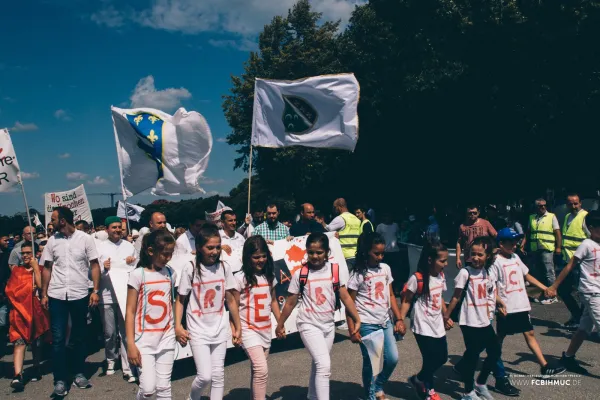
541 206
472 212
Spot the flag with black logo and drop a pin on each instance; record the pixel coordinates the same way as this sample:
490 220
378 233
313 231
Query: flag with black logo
319 111
129 211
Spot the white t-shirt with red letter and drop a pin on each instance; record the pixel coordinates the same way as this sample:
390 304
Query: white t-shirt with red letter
508 274
427 317
317 307
588 253
207 321
154 323
255 311
373 297
475 307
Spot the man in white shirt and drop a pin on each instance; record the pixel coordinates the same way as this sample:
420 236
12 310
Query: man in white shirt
186 243
157 221
67 258
230 240
116 255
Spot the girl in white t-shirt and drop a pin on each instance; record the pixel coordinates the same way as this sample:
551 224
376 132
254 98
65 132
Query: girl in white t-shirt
254 293
208 283
474 319
370 286
316 315
428 285
149 316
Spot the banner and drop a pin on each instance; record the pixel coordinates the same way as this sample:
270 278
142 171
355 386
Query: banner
133 212
9 168
167 153
74 199
215 217
319 111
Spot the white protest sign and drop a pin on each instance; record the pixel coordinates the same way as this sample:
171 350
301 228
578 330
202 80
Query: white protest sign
9 168
74 199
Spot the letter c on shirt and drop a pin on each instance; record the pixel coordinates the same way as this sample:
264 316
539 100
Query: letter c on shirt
514 283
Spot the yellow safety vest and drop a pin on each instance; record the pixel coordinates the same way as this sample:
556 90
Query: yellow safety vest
541 233
363 223
573 235
349 235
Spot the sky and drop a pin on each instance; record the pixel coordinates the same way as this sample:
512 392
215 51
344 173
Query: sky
63 63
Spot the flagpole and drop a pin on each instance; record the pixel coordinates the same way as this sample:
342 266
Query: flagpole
28 216
249 178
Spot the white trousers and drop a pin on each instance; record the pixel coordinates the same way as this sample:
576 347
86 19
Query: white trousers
210 369
319 345
114 326
155 375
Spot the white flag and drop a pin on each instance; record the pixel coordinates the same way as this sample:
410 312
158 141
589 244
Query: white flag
10 174
320 111
36 220
159 151
129 211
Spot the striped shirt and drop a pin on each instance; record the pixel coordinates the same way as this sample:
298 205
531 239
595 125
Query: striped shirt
279 232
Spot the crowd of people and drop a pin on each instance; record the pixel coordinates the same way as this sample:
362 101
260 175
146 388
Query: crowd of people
50 283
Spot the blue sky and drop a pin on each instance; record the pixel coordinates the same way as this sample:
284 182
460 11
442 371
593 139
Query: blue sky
63 63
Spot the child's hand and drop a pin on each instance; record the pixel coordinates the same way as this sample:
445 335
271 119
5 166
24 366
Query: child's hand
399 327
182 336
236 337
356 327
356 338
280 332
550 292
448 324
134 356
502 310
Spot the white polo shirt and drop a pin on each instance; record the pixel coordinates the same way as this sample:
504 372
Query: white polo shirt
236 242
70 258
118 253
185 244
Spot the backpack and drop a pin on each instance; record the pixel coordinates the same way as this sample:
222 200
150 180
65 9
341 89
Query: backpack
335 273
455 316
419 276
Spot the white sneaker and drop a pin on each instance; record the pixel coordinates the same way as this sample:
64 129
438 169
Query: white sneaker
110 367
483 392
131 379
470 396
551 300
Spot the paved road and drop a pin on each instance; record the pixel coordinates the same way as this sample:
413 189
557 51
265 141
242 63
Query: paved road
290 363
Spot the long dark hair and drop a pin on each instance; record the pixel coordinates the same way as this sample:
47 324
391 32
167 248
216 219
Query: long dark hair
156 240
366 241
431 252
251 246
488 245
207 232
321 239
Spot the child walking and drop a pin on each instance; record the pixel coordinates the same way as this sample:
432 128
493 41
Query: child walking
509 274
208 283
320 284
28 321
370 286
587 256
474 318
149 316
425 288
254 293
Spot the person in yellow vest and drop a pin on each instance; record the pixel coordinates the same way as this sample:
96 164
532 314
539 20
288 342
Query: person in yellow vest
544 237
348 228
574 232
366 226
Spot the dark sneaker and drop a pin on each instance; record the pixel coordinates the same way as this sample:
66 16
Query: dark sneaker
81 382
571 325
36 374
18 383
503 386
419 387
60 389
572 365
550 370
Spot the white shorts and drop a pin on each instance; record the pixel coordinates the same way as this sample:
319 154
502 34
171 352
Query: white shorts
591 312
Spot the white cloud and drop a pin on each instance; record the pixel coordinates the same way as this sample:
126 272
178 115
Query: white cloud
243 44
146 95
110 17
76 176
209 181
98 181
24 127
27 175
62 115
64 155
222 140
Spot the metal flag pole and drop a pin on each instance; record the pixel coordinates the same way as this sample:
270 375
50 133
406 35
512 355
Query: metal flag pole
249 178
28 215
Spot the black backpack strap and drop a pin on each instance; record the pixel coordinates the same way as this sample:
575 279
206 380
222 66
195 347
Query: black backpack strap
335 273
303 278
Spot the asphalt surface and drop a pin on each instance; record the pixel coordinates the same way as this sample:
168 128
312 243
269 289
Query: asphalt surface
289 368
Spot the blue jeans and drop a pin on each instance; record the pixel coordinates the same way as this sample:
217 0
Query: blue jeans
374 384
4 316
500 371
59 318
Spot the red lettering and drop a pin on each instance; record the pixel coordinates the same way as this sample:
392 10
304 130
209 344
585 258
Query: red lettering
481 292
283 277
514 283
209 298
320 297
258 306
379 288
435 301
158 303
